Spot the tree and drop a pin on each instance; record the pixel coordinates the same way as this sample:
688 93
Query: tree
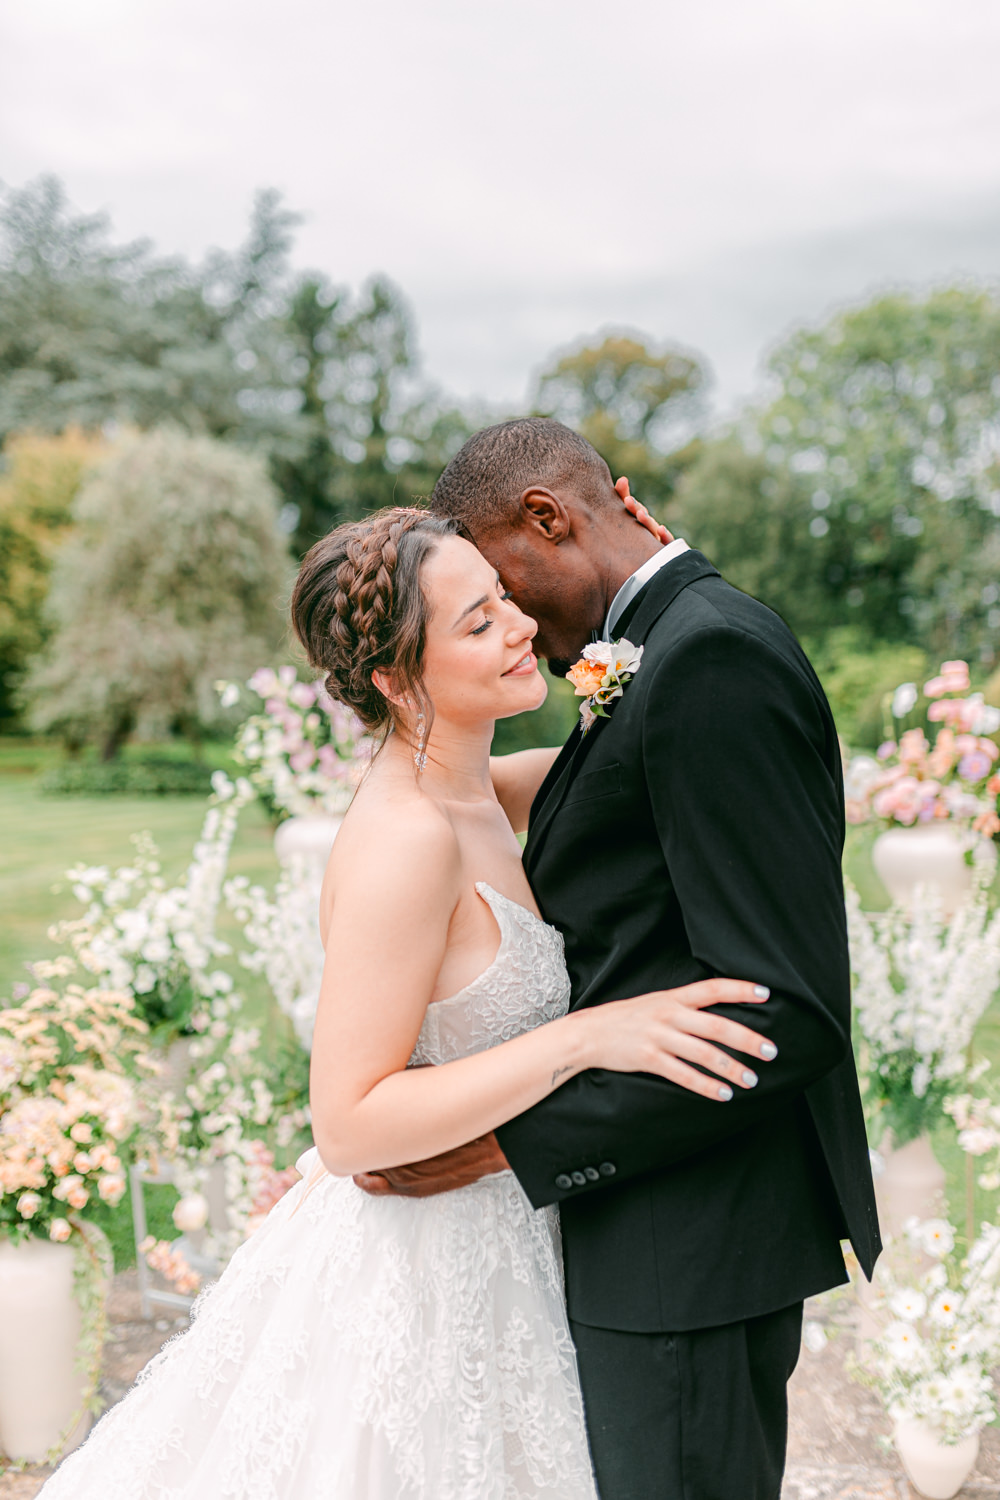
175 576
868 492
636 404
371 434
40 479
92 333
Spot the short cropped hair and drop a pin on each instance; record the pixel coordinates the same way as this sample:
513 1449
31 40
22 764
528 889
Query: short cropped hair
482 485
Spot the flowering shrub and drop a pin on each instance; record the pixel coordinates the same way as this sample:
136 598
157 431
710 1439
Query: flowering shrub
306 753
910 781
69 1105
941 1330
160 943
921 983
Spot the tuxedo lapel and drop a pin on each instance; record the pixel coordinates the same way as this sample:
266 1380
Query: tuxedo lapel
638 619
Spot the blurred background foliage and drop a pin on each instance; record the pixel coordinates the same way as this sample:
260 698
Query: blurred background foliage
175 434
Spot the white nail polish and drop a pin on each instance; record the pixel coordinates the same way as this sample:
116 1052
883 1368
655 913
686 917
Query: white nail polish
768 1050
750 1079
725 1092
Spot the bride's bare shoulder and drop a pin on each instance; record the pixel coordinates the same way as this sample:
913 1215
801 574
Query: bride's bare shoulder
393 836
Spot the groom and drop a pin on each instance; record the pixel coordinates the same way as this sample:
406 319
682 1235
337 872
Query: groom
696 831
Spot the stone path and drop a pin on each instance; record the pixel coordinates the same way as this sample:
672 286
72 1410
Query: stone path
835 1450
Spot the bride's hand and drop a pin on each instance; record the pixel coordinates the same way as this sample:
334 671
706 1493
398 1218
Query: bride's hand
666 1031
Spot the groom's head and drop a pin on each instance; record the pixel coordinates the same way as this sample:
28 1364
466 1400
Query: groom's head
540 504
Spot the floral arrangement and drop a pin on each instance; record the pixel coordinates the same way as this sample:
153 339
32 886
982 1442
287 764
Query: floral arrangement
306 752
70 1105
284 940
237 1092
160 943
941 1332
601 675
978 1123
921 983
911 781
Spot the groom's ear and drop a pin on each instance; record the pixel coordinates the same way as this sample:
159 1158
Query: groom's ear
545 513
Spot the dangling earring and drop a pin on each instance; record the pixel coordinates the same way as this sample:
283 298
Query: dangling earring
420 753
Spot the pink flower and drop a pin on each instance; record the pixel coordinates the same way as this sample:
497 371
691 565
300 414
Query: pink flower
60 1231
975 766
913 746
303 759
263 682
887 748
303 695
953 678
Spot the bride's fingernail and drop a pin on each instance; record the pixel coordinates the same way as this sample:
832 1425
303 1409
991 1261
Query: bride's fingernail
768 1050
750 1079
725 1092
761 992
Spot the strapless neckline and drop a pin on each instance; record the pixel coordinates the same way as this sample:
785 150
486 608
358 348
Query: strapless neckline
489 895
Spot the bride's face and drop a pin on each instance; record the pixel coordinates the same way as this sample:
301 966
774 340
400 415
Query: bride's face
478 663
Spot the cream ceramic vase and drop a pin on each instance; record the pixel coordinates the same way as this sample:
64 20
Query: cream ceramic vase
307 837
931 854
40 1387
936 1470
911 1186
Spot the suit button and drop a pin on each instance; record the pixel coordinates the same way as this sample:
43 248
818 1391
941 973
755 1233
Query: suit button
591 1174
579 1178
608 1169
564 1181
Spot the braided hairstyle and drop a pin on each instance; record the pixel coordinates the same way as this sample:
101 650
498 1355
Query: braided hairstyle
357 607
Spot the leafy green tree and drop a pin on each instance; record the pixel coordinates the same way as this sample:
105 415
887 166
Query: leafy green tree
638 405
867 494
92 333
40 479
372 434
175 576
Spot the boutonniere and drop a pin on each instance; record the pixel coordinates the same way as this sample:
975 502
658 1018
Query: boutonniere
599 677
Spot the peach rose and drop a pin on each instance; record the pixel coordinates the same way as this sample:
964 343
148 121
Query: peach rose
586 677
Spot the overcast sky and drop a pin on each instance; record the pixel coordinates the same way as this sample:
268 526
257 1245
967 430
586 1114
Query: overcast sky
529 171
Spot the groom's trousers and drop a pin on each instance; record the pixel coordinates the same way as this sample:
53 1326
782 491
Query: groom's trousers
690 1416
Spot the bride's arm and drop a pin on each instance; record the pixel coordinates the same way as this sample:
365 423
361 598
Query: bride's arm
516 779
385 944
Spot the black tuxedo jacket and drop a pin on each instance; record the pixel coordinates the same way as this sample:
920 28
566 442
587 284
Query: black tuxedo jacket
698 831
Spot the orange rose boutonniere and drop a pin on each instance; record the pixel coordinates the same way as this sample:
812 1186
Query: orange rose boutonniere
599 677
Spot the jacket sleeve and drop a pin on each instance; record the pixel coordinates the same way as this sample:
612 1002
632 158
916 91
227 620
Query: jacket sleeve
749 816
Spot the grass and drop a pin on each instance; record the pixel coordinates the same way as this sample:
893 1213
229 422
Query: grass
41 836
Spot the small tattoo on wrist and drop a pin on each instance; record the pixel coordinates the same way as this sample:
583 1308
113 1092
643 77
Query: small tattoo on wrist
560 1073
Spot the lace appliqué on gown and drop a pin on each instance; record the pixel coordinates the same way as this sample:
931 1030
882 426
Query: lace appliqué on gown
364 1348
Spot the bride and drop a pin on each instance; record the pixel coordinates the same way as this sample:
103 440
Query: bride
362 1348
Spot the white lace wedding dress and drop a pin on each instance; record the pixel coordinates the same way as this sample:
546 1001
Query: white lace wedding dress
363 1348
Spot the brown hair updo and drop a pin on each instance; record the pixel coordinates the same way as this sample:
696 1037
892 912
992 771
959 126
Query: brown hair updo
357 607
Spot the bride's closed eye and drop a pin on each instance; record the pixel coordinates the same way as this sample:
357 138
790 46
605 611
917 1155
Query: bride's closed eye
487 623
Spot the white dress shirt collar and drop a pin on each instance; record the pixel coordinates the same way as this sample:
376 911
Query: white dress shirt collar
638 580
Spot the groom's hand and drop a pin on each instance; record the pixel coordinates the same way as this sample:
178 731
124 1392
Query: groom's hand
642 515
439 1174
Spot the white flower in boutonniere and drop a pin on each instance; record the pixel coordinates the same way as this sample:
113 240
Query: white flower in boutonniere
599 677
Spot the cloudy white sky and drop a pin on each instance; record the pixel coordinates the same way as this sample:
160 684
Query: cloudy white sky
707 171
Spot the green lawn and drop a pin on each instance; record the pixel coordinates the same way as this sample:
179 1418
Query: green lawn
41 836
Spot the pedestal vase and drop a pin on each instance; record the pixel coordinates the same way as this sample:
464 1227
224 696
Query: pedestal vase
41 1387
937 1470
309 837
911 1186
931 854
